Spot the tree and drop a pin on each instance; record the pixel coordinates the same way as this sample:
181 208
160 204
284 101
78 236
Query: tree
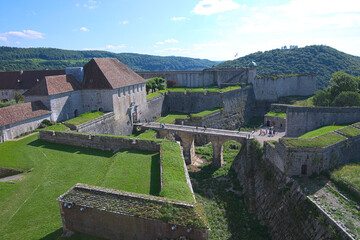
19 97
322 98
347 99
342 82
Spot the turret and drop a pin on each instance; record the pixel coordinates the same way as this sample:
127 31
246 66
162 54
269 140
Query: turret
252 72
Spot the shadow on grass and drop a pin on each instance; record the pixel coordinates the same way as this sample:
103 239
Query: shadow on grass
71 149
54 235
76 236
155 181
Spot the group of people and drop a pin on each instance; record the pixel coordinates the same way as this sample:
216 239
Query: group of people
267 131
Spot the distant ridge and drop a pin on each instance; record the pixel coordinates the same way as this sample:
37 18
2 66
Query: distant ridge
319 59
15 59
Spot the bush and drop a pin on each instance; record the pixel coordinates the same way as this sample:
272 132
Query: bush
347 99
322 98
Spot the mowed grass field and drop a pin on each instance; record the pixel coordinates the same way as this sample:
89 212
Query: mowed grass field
29 209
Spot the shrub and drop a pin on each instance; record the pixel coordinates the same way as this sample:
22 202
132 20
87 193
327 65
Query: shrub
347 99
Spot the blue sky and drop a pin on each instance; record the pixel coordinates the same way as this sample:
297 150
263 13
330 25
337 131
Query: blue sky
211 29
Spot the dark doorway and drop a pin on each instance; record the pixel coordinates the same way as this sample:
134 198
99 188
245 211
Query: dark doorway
75 113
304 169
268 123
101 109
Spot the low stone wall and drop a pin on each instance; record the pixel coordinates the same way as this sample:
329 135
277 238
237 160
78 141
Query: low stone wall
278 201
307 161
279 108
118 220
4 172
108 143
300 120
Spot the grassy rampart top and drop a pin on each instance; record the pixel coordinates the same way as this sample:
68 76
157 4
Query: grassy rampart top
174 183
349 131
205 113
321 141
83 118
276 114
138 205
320 131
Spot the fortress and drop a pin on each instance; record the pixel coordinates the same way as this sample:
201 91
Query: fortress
109 86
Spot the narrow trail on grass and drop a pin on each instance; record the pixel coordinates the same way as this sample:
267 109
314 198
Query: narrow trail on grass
100 180
32 193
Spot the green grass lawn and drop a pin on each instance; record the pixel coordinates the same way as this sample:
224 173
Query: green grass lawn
320 131
28 208
170 118
349 174
83 118
205 113
319 141
56 127
276 114
154 94
350 131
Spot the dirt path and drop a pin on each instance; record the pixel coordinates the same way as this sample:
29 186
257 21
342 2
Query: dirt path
11 178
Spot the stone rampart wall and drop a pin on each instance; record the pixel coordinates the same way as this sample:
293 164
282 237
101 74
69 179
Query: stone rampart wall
279 108
307 161
156 106
300 120
278 123
108 143
271 89
279 203
116 225
207 77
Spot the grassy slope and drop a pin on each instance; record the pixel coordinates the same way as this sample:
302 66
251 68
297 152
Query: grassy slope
349 173
173 174
320 131
205 113
275 114
350 131
28 208
85 117
324 140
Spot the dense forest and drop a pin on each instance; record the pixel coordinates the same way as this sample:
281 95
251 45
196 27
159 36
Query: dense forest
14 59
319 59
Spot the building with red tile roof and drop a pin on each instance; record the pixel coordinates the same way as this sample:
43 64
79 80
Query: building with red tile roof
21 118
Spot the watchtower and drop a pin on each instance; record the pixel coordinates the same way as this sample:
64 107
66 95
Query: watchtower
252 71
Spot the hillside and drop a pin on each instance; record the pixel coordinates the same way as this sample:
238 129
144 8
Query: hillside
15 59
319 59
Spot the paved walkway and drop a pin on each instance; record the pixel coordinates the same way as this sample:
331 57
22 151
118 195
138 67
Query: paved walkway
212 131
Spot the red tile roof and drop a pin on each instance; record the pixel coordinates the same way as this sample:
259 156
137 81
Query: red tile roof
51 85
21 112
108 73
9 80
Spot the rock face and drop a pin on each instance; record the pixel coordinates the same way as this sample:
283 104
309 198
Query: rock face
278 201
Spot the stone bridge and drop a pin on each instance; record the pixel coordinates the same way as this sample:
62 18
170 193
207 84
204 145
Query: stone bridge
187 134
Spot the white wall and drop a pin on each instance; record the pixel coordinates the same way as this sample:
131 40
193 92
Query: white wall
63 105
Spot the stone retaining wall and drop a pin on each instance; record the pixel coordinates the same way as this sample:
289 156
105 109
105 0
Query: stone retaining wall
278 201
4 172
300 120
108 143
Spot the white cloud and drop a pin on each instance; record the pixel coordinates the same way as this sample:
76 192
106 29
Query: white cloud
26 34
124 22
90 4
84 29
178 18
4 39
171 40
108 47
209 7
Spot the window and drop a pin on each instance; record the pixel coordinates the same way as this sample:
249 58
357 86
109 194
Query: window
126 89
119 92
123 91
137 87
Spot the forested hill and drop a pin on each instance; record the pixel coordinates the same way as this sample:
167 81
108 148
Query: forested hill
319 59
15 59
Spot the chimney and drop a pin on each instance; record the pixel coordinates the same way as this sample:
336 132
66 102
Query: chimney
76 72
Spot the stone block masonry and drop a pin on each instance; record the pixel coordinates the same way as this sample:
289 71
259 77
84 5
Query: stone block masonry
109 143
278 201
115 214
300 120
